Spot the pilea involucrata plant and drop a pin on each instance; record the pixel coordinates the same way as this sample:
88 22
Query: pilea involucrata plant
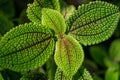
29 46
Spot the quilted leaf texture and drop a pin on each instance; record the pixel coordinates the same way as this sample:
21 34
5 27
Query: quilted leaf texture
94 22
82 74
68 55
54 20
59 75
34 10
26 47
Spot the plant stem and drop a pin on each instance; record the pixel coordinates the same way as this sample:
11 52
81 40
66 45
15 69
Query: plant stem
51 68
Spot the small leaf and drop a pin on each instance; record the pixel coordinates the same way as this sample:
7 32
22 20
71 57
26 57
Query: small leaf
59 75
54 20
98 53
111 64
115 50
33 76
68 10
112 74
68 55
82 74
94 22
34 11
26 47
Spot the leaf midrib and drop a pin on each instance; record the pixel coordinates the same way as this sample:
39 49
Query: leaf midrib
94 21
27 47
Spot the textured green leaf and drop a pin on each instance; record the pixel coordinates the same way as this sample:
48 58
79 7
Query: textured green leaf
34 10
68 11
115 50
82 74
26 47
7 7
5 24
59 75
68 55
23 17
98 53
54 20
93 22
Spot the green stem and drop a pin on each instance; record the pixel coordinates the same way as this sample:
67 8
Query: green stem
51 68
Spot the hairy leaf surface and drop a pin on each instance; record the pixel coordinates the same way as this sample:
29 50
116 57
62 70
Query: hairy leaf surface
93 22
59 75
54 20
68 55
82 74
26 47
67 11
34 10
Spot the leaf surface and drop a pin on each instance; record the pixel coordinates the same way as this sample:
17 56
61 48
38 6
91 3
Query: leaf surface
82 74
34 11
26 47
94 22
54 20
115 50
98 53
68 55
112 74
59 75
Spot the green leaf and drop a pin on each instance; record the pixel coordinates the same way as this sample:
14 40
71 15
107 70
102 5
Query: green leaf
26 47
5 24
98 53
68 11
112 74
111 64
34 11
59 75
115 50
1 78
94 22
82 74
68 55
54 20
7 6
